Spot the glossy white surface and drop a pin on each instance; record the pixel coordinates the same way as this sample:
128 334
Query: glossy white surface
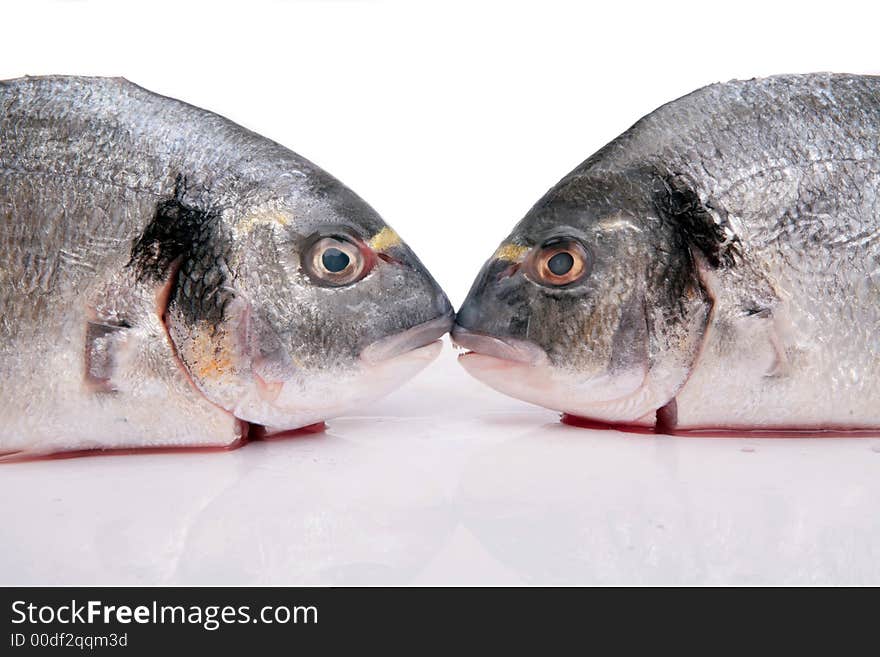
448 482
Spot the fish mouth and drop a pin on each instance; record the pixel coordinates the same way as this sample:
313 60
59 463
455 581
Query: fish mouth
507 349
409 340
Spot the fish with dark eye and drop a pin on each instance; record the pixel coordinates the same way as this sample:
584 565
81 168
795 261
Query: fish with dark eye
716 267
169 278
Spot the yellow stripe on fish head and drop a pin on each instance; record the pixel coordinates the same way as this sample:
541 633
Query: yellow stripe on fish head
511 252
384 239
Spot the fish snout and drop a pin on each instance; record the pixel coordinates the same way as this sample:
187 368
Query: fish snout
428 317
502 348
493 320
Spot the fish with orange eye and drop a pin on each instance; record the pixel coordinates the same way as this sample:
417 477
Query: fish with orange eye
712 269
558 262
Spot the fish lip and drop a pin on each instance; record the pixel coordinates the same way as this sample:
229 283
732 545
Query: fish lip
420 335
509 349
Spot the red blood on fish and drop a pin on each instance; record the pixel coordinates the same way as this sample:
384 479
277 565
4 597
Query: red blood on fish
251 433
724 432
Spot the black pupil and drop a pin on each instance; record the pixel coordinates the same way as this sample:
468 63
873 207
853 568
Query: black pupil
561 263
334 260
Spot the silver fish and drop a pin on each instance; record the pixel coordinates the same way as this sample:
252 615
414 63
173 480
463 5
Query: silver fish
717 266
170 278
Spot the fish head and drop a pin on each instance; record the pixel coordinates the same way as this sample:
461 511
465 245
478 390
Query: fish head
589 307
303 307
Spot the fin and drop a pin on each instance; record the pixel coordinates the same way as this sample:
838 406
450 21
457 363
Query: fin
103 342
780 339
667 418
745 298
259 432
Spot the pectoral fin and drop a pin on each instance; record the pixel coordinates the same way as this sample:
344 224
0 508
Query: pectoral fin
103 344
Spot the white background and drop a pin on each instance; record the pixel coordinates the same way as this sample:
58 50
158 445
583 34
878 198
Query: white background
451 119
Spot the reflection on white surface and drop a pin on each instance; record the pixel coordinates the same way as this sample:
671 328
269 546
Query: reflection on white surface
448 482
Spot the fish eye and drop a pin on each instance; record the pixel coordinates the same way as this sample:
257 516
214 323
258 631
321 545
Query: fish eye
559 262
335 261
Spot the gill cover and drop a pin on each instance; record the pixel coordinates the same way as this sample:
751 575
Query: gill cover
271 318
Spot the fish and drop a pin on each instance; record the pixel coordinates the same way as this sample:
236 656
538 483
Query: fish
171 279
716 268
